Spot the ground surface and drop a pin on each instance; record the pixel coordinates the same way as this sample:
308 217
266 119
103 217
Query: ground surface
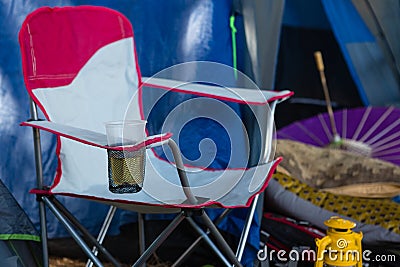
69 262
61 262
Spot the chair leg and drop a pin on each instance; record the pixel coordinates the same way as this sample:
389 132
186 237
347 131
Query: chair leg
246 229
43 230
141 232
188 251
71 231
103 232
159 240
67 215
203 236
39 181
219 239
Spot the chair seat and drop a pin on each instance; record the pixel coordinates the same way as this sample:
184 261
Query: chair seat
229 188
219 188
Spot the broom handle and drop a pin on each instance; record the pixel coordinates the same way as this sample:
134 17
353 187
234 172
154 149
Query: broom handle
321 69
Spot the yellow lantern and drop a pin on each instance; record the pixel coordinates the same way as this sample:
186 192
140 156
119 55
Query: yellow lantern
341 246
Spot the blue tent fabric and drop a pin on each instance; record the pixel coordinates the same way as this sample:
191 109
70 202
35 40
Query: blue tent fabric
363 55
360 62
376 81
344 19
297 14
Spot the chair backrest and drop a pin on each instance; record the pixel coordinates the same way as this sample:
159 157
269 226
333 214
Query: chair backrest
81 69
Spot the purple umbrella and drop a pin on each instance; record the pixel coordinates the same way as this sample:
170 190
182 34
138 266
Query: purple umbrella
370 131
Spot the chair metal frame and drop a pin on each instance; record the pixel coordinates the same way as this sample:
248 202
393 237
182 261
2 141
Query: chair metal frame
70 223
203 234
68 220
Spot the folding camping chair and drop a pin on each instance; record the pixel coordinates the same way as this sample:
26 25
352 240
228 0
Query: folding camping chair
80 68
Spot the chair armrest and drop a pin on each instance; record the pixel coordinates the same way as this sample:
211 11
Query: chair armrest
238 95
90 137
100 140
181 172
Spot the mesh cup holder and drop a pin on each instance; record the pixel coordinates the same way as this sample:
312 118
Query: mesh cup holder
126 170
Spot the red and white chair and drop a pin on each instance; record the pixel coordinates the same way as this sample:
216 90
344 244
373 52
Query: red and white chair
81 70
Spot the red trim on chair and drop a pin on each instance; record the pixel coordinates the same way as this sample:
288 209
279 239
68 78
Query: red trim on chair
140 97
180 206
36 191
205 204
63 135
149 141
269 176
224 98
57 177
279 97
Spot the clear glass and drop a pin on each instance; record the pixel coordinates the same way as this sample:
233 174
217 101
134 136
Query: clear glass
126 166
